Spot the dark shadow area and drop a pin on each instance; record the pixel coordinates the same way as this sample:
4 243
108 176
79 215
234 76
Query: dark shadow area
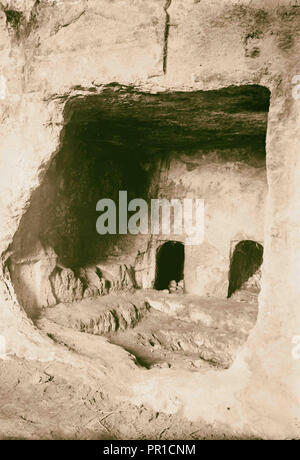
246 260
169 264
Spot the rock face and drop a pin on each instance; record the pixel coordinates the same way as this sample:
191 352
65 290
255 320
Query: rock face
66 287
91 282
31 278
100 316
55 52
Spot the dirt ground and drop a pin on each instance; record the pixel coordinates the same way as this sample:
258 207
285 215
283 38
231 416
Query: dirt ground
53 400
37 404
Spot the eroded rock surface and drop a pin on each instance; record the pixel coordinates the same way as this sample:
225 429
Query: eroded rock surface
99 316
174 330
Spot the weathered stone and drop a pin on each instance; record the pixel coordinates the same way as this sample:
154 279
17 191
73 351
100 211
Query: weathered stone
91 291
91 278
172 287
101 315
180 287
66 286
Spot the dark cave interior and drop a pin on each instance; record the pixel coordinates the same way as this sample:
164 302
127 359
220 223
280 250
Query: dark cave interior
169 264
246 260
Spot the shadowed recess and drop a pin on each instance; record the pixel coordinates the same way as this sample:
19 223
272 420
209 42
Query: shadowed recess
246 260
122 120
169 264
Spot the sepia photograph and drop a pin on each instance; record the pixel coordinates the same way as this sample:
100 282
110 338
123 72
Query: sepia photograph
149 223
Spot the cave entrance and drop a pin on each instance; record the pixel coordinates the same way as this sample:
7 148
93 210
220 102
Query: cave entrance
169 264
246 260
168 145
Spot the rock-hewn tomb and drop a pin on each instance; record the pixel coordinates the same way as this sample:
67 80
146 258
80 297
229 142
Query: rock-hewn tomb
178 99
